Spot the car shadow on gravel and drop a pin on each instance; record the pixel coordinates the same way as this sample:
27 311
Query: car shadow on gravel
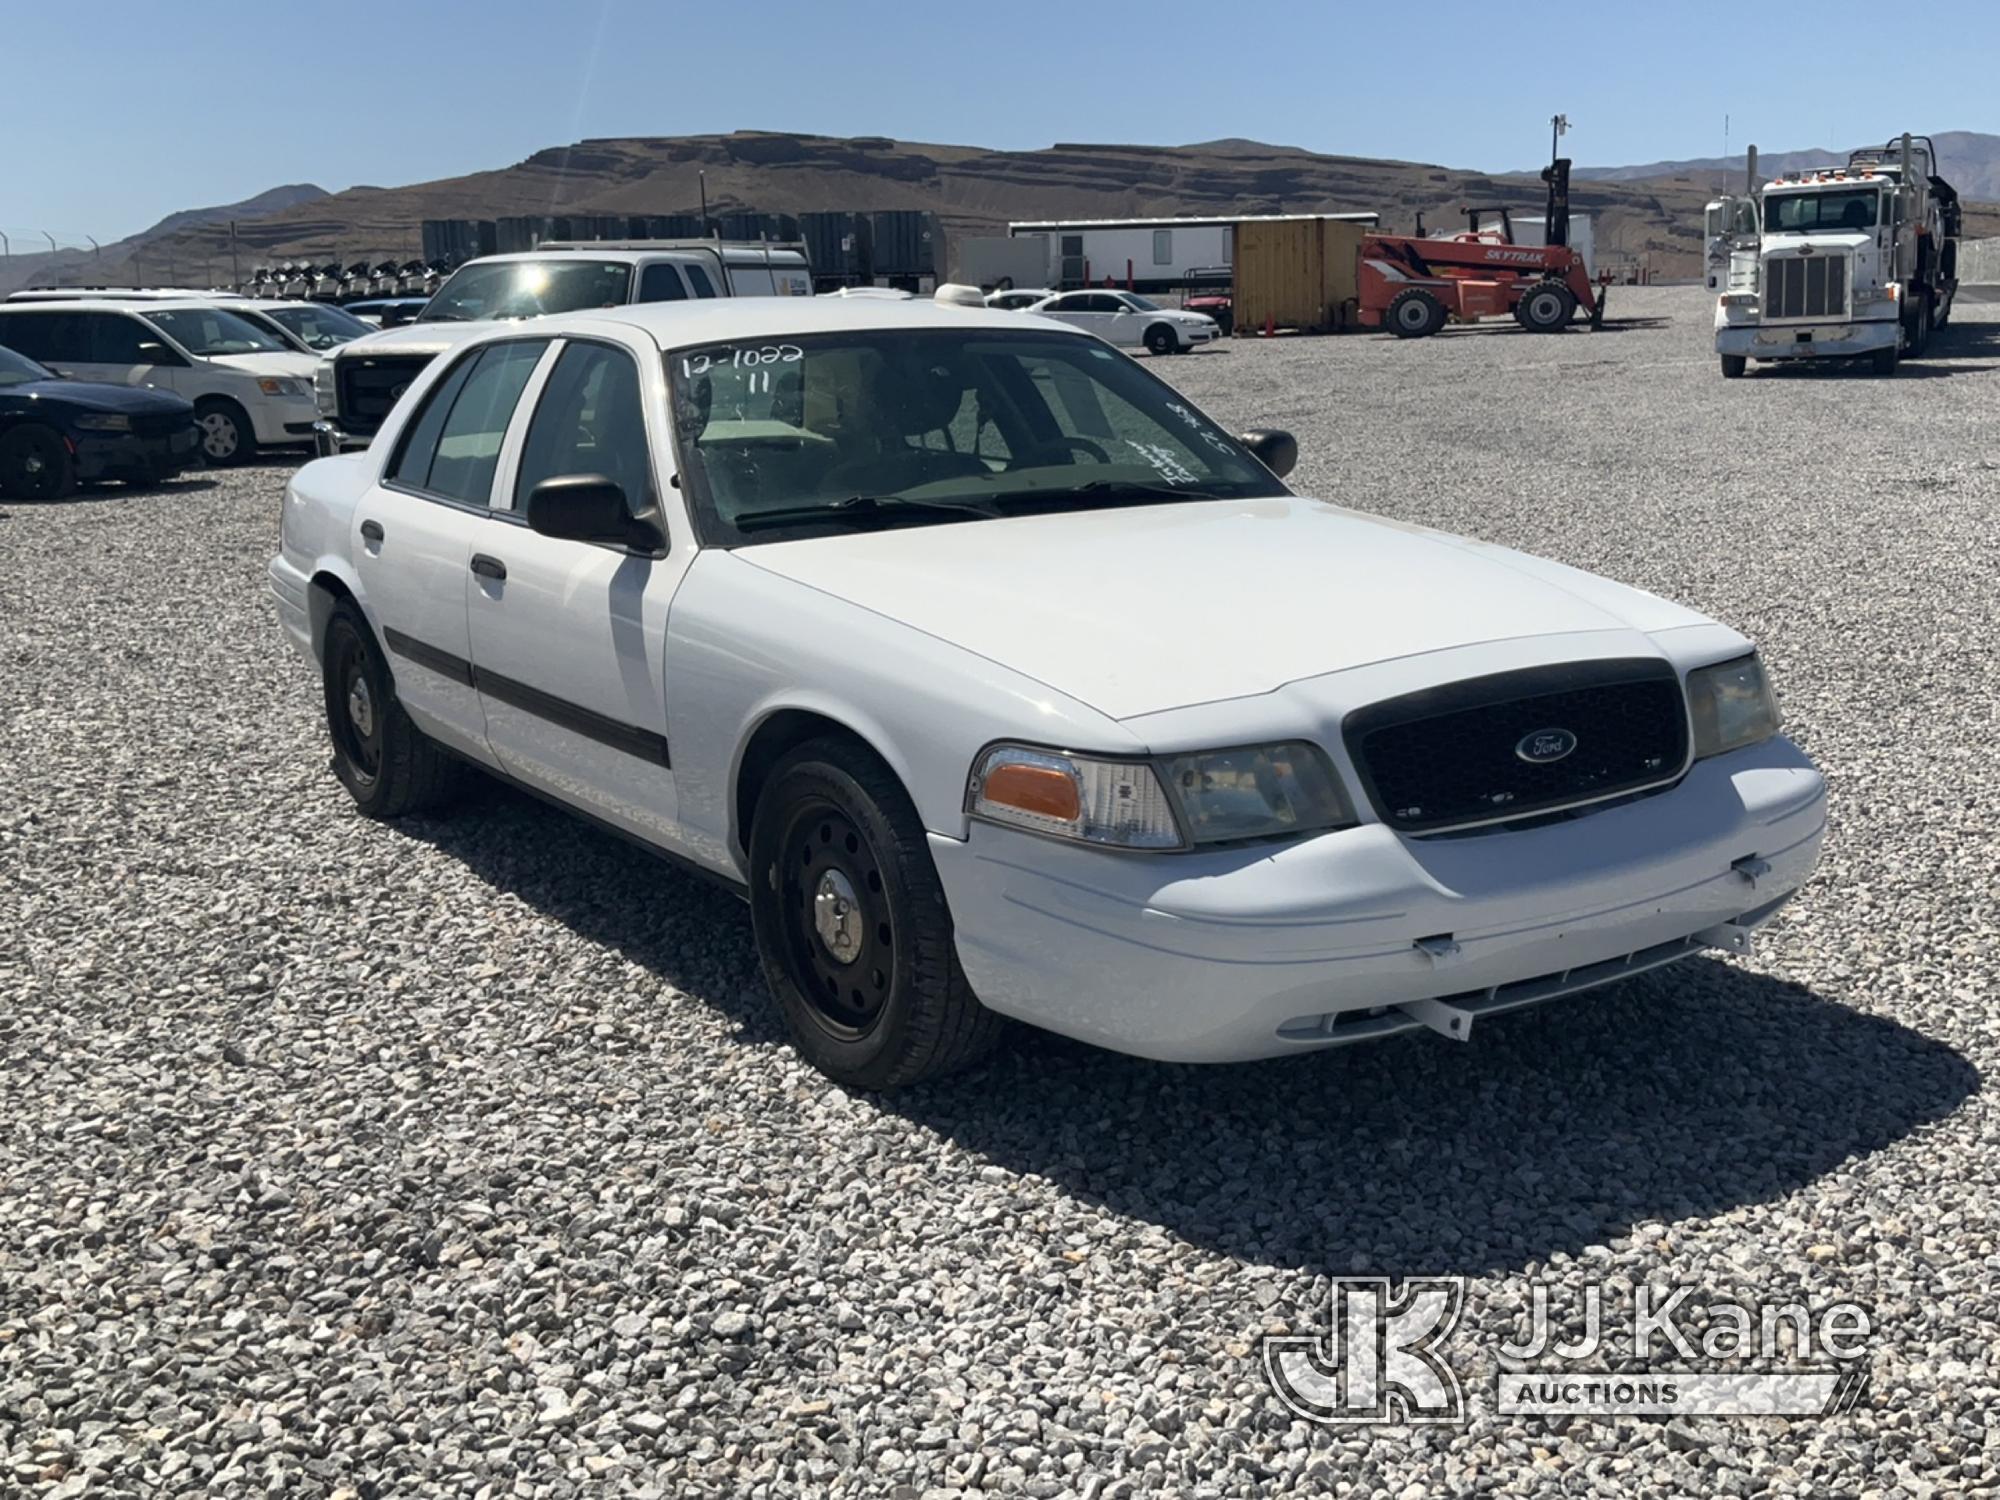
96 492
1681 1093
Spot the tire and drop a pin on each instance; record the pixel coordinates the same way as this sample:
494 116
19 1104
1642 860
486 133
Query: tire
1414 314
852 927
1733 366
226 434
1160 339
1884 361
388 765
1226 322
1546 307
35 464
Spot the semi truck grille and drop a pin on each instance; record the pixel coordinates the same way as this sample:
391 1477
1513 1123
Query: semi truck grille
1805 286
1519 744
368 388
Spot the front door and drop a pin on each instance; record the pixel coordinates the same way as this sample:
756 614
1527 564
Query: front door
569 638
419 529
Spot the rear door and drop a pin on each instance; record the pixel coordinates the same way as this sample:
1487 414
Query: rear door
419 529
569 647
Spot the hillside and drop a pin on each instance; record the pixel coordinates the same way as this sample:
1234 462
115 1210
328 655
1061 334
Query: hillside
118 259
1970 162
973 190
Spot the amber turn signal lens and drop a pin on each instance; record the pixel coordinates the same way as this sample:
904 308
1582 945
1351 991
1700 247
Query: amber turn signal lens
1041 790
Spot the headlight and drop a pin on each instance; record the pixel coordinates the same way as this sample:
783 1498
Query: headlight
102 422
283 385
1738 299
1732 706
323 396
1258 791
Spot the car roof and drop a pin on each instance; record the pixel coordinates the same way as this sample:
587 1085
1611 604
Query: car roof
724 320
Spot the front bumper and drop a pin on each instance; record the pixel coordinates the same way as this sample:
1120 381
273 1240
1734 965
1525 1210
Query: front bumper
134 456
1800 341
282 420
1236 954
329 441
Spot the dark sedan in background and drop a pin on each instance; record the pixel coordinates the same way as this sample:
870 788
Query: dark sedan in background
56 434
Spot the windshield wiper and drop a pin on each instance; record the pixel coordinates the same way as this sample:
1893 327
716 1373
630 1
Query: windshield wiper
1111 489
858 507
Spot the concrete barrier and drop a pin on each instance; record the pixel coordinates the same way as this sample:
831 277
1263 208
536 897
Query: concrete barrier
1979 262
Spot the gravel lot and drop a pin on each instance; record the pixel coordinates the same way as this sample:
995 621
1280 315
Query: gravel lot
463 1157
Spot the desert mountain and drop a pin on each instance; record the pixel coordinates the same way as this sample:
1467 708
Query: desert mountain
1970 162
972 189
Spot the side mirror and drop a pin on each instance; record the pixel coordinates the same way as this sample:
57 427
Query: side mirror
590 508
1275 448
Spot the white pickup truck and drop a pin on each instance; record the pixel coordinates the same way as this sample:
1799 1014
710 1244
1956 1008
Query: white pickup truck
1002 681
357 384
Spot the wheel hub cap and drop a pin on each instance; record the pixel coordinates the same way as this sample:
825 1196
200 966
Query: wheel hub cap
361 707
837 916
34 464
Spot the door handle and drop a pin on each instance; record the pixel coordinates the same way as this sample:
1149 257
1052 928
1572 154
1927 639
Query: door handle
488 567
371 531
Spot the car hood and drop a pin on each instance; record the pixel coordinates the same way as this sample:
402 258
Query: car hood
93 395
1822 241
409 338
1135 610
287 362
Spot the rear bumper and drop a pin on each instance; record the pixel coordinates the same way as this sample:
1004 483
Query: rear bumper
1800 341
292 591
1252 953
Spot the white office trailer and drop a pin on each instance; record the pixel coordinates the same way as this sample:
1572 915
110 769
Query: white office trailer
1150 255
1531 227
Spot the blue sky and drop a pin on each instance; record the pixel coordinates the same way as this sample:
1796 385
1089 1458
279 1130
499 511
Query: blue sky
130 111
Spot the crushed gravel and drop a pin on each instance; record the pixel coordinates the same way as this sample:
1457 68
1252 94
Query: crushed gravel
463 1157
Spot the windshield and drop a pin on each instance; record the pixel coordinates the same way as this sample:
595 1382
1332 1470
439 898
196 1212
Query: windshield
319 327
1803 213
210 331
846 431
528 289
18 369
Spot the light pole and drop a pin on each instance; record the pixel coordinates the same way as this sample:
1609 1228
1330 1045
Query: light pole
702 178
51 239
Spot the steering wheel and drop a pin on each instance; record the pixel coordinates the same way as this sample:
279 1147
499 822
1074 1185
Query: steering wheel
1061 445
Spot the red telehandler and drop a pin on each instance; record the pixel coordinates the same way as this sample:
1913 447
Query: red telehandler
1411 285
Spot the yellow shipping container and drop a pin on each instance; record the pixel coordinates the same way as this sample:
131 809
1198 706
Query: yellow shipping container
1295 273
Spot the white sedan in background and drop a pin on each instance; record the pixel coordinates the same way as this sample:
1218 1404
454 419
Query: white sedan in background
1002 681
1129 320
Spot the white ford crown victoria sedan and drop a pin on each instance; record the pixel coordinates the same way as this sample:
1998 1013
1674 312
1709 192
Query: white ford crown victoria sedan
1004 683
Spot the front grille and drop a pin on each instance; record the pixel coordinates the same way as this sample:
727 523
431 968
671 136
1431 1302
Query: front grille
1452 756
1805 286
369 385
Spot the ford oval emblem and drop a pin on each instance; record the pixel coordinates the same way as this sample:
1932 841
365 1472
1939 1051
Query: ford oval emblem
1545 747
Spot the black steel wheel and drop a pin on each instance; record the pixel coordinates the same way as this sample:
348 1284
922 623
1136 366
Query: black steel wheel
34 465
839 934
388 765
1414 314
1546 307
852 926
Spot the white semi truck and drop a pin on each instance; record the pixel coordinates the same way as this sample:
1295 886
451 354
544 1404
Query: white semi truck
1835 262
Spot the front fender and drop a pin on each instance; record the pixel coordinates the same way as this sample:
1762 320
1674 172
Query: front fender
744 643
